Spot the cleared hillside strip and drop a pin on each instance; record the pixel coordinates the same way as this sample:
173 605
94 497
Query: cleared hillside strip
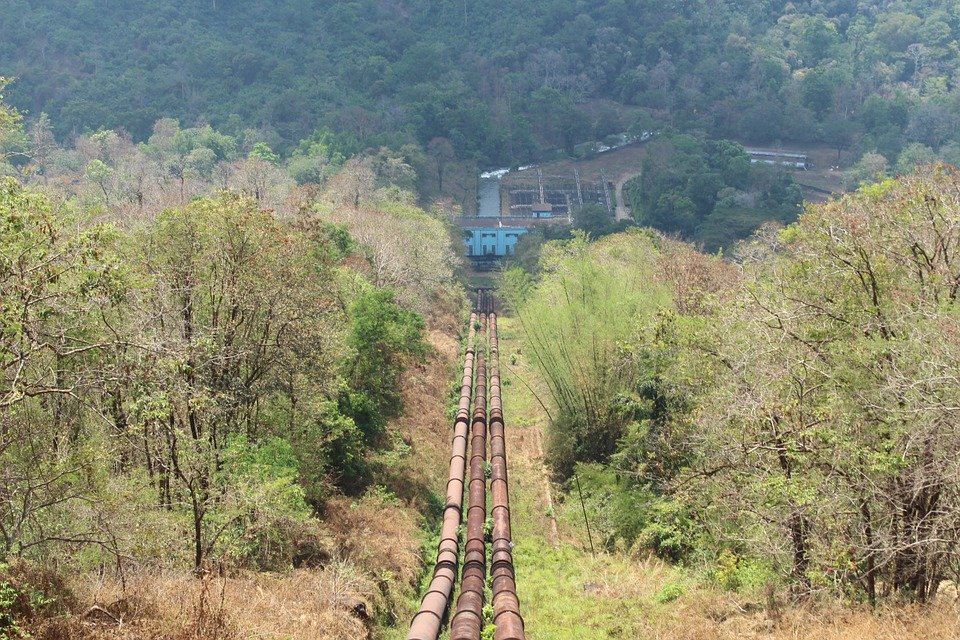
468 621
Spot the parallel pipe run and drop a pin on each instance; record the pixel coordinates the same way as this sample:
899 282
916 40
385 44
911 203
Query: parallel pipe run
506 604
485 300
429 619
468 621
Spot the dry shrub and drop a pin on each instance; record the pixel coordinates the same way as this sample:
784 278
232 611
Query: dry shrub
41 592
618 579
443 340
378 535
406 249
323 604
306 605
312 548
629 591
148 607
910 623
692 275
359 574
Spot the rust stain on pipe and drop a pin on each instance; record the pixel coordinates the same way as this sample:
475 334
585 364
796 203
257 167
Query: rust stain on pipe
485 423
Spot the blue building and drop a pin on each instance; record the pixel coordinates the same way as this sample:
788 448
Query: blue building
490 238
541 210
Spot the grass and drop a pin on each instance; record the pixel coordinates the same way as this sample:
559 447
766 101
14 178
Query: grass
562 588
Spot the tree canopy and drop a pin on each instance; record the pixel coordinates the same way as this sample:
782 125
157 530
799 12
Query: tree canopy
500 80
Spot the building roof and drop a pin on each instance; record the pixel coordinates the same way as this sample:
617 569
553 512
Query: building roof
490 223
776 153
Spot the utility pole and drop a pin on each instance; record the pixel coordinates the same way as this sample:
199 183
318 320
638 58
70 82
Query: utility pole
576 175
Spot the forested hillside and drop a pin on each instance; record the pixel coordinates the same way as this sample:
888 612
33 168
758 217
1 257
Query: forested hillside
709 191
500 80
232 299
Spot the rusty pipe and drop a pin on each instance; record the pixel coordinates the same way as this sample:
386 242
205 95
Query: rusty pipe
426 624
467 623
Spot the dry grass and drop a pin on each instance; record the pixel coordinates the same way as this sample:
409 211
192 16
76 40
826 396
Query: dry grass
611 164
710 619
307 605
370 567
418 478
377 535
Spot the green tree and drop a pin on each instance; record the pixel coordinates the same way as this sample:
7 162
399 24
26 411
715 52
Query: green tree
594 219
9 117
59 279
381 337
840 132
263 152
817 90
870 168
827 370
913 156
226 330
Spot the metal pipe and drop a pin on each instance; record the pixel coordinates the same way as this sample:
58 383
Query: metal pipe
427 622
468 621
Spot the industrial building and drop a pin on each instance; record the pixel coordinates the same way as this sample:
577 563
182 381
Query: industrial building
490 238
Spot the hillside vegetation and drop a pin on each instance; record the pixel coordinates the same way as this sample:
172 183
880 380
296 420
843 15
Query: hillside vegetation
709 191
499 80
195 383
231 298
453 86
785 420
630 593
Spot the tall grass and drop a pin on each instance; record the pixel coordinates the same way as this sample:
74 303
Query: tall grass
592 298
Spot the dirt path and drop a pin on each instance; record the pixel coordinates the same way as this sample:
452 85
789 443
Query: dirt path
525 451
550 511
623 211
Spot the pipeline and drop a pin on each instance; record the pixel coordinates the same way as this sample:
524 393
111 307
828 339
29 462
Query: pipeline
427 622
506 603
467 623
468 620
484 300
